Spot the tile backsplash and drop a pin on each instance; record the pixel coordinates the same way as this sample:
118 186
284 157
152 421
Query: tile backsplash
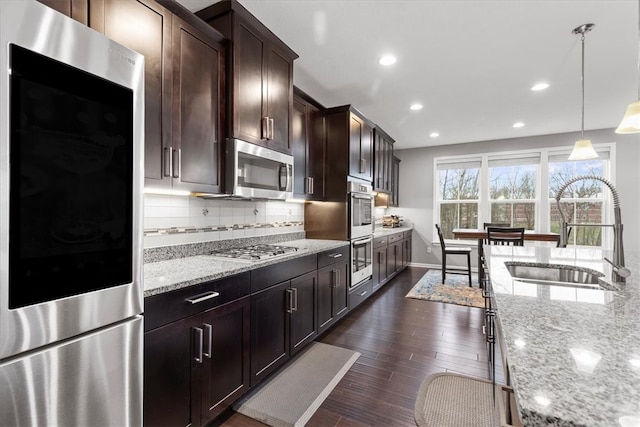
175 220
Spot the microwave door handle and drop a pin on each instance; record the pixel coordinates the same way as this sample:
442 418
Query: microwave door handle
285 177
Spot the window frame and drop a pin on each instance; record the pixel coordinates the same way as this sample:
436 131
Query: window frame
542 202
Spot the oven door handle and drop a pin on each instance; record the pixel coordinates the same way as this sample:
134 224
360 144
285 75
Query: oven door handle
362 242
362 196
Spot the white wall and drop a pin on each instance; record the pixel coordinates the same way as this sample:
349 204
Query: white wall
416 182
175 220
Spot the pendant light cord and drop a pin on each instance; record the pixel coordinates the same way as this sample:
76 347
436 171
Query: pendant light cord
582 124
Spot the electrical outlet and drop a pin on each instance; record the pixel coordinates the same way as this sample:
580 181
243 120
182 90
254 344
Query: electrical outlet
428 249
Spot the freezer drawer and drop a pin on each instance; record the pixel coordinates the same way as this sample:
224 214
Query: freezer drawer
93 380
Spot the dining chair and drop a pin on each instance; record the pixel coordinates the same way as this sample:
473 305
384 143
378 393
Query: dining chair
513 236
494 224
451 250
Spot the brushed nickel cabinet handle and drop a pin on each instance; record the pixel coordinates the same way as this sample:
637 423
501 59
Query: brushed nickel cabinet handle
363 165
363 293
265 128
177 168
272 125
209 330
167 161
295 299
199 333
202 297
337 255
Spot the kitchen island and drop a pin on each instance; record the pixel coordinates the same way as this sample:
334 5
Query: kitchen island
572 354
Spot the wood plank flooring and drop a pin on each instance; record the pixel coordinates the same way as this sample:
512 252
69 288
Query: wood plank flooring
402 341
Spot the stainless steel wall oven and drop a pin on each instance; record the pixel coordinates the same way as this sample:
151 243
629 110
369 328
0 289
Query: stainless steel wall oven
361 260
71 150
360 230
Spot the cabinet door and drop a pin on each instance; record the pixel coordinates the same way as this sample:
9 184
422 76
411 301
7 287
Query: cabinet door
249 49
327 280
304 291
198 93
360 148
316 151
300 148
341 290
226 356
76 9
269 330
171 385
395 179
379 267
406 251
279 90
395 257
145 26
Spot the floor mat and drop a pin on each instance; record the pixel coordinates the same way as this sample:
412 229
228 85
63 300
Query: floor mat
455 291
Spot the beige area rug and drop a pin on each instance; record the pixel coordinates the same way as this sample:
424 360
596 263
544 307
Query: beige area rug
452 400
455 291
293 395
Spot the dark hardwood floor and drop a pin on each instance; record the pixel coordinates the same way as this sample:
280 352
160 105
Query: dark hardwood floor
402 341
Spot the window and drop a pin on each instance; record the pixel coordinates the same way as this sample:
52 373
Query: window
511 188
458 190
512 191
582 202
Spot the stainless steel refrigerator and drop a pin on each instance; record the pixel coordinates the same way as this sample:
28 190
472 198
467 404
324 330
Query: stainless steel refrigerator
71 155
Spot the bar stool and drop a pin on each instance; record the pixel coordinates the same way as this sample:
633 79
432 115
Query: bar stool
453 251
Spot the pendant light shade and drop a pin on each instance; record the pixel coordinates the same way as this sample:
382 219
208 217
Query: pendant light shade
583 150
631 121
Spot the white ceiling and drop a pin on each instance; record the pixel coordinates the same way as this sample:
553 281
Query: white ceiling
470 63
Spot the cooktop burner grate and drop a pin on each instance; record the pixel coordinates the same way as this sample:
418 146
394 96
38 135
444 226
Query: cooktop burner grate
254 252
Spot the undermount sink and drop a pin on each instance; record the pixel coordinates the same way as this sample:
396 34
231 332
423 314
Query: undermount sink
556 274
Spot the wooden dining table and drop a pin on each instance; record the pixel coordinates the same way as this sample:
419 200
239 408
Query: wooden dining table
481 235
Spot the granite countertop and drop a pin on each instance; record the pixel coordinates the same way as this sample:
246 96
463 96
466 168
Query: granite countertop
573 354
168 275
380 231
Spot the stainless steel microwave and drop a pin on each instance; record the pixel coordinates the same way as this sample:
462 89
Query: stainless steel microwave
257 172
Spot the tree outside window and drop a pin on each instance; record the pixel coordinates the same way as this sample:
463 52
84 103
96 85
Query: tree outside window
458 192
512 193
581 202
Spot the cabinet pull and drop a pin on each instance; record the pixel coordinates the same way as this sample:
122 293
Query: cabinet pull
168 159
199 333
209 329
312 185
177 168
202 297
294 307
336 278
336 255
363 293
265 127
363 165
309 182
289 300
271 131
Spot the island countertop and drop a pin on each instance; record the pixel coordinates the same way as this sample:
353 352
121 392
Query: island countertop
573 354
172 274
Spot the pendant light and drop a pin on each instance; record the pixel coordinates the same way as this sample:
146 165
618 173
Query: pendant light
631 121
583 150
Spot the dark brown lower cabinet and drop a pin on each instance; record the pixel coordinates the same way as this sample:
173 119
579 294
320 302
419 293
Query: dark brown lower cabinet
283 321
380 266
333 296
196 367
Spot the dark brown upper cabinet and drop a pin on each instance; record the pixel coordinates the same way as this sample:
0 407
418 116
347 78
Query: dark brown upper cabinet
260 86
395 181
76 9
308 147
383 145
349 136
184 88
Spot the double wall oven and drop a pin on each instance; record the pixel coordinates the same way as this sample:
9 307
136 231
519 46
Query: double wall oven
71 150
360 198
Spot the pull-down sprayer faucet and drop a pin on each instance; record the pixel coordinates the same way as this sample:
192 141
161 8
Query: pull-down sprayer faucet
620 272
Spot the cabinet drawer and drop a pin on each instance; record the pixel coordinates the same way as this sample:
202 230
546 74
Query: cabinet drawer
270 275
407 234
329 257
359 294
174 305
395 237
380 241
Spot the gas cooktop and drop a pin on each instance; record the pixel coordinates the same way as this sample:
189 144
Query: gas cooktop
254 252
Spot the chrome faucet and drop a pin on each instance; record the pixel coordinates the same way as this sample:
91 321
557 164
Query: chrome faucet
620 272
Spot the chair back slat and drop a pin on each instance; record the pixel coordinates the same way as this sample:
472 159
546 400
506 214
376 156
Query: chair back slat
513 236
441 237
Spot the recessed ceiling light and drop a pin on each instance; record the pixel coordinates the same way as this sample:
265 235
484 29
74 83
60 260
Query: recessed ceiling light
540 86
518 125
387 60
416 107
434 134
